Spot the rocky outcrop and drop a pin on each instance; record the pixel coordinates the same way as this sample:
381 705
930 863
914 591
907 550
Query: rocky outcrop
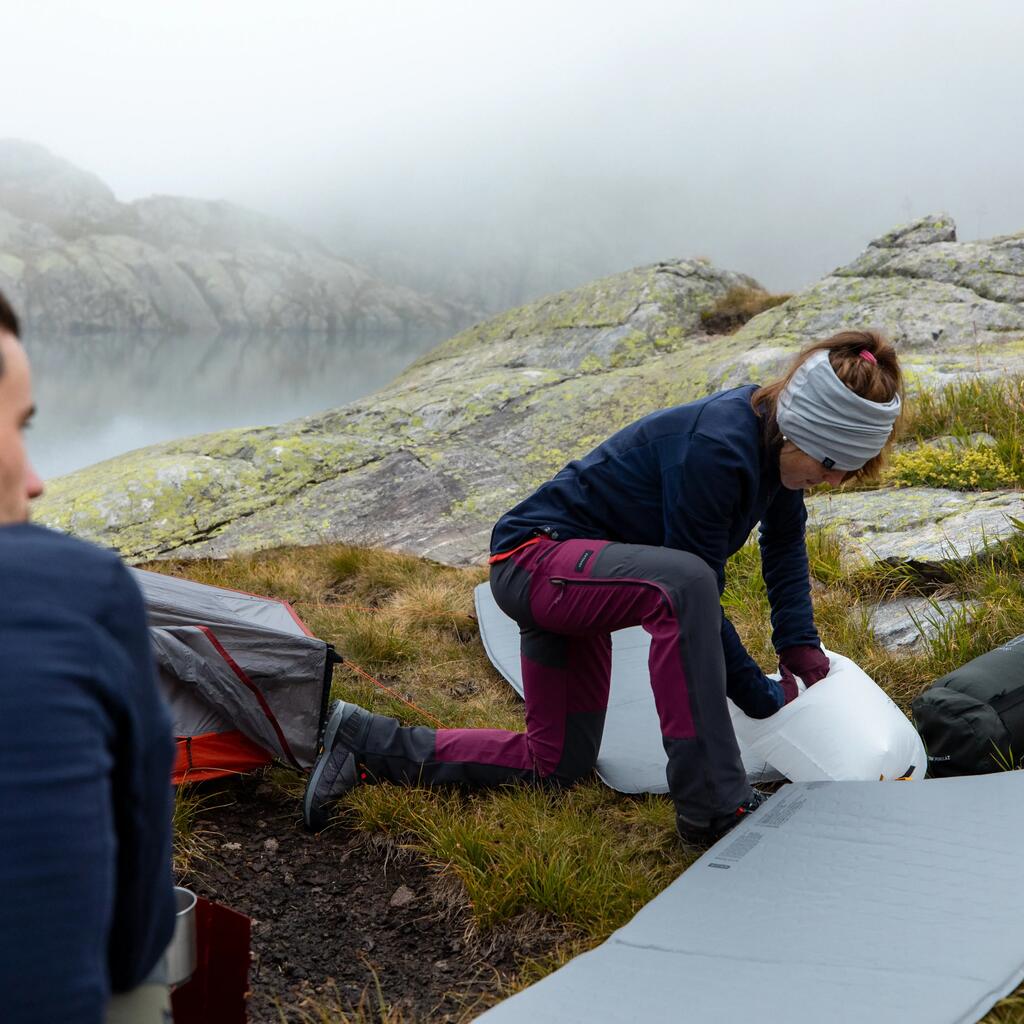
429 463
74 260
951 307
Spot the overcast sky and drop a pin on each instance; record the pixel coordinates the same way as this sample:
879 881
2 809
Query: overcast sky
775 138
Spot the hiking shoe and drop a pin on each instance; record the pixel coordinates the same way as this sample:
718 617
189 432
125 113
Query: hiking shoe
335 771
700 833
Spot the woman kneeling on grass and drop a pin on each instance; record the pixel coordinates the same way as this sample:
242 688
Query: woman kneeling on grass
638 533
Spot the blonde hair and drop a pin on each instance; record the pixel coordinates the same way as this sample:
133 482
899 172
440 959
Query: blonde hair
878 381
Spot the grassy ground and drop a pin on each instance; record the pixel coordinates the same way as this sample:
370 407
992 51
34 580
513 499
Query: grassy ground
581 863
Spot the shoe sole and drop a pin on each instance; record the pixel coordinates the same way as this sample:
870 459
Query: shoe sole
334 723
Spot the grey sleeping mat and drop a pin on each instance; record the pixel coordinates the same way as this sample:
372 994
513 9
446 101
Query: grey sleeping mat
858 902
632 758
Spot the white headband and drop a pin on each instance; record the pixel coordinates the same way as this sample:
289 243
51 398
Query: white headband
828 421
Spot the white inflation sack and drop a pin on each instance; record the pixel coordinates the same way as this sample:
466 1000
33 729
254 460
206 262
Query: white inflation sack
843 728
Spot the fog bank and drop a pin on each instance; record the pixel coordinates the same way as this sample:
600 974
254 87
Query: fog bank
496 154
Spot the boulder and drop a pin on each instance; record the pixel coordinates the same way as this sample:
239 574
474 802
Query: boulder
43 189
952 308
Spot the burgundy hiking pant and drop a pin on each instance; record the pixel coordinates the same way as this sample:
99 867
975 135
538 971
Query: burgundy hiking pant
568 597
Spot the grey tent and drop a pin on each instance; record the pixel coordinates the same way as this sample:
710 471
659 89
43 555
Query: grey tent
245 679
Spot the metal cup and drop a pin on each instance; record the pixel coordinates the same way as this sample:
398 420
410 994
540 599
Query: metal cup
181 956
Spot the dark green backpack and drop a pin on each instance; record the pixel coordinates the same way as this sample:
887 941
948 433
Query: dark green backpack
972 720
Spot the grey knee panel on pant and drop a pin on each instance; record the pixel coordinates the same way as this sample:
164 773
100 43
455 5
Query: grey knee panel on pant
705 770
583 731
684 577
548 649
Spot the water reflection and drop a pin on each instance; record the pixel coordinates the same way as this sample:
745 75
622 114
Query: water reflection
102 396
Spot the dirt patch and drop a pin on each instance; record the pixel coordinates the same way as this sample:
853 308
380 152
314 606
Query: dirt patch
331 911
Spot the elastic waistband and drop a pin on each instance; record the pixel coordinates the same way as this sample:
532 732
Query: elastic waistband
502 555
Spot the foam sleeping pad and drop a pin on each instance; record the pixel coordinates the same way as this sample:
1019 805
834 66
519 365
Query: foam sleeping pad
844 902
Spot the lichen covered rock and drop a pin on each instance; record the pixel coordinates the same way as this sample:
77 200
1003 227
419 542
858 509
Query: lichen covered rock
430 462
916 524
951 307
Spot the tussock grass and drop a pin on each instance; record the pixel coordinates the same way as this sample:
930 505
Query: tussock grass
377 642
444 606
582 856
192 842
332 1008
738 305
968 406
371 575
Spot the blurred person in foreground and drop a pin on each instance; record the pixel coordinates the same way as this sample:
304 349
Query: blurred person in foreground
85 761
639 532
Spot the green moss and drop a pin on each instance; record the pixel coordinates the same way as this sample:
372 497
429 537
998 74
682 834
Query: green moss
971 469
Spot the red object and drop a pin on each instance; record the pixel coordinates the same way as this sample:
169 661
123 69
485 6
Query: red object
869 356
212 755
252 688
502 555
807 661
216 993
788 683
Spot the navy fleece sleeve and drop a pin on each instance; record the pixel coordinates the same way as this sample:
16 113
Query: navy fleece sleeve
56 837
701 494
785 570
144 904
754 693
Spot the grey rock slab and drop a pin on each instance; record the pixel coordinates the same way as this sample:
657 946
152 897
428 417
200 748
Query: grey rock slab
979 439
921 524
924 231
428 464
904 624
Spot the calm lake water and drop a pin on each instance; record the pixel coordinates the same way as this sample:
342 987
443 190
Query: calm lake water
99 397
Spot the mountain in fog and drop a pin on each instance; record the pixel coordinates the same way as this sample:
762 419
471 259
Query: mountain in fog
75 260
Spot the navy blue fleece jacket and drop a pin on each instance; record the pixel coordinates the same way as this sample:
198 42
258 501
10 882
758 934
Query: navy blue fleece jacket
699 478
85 795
